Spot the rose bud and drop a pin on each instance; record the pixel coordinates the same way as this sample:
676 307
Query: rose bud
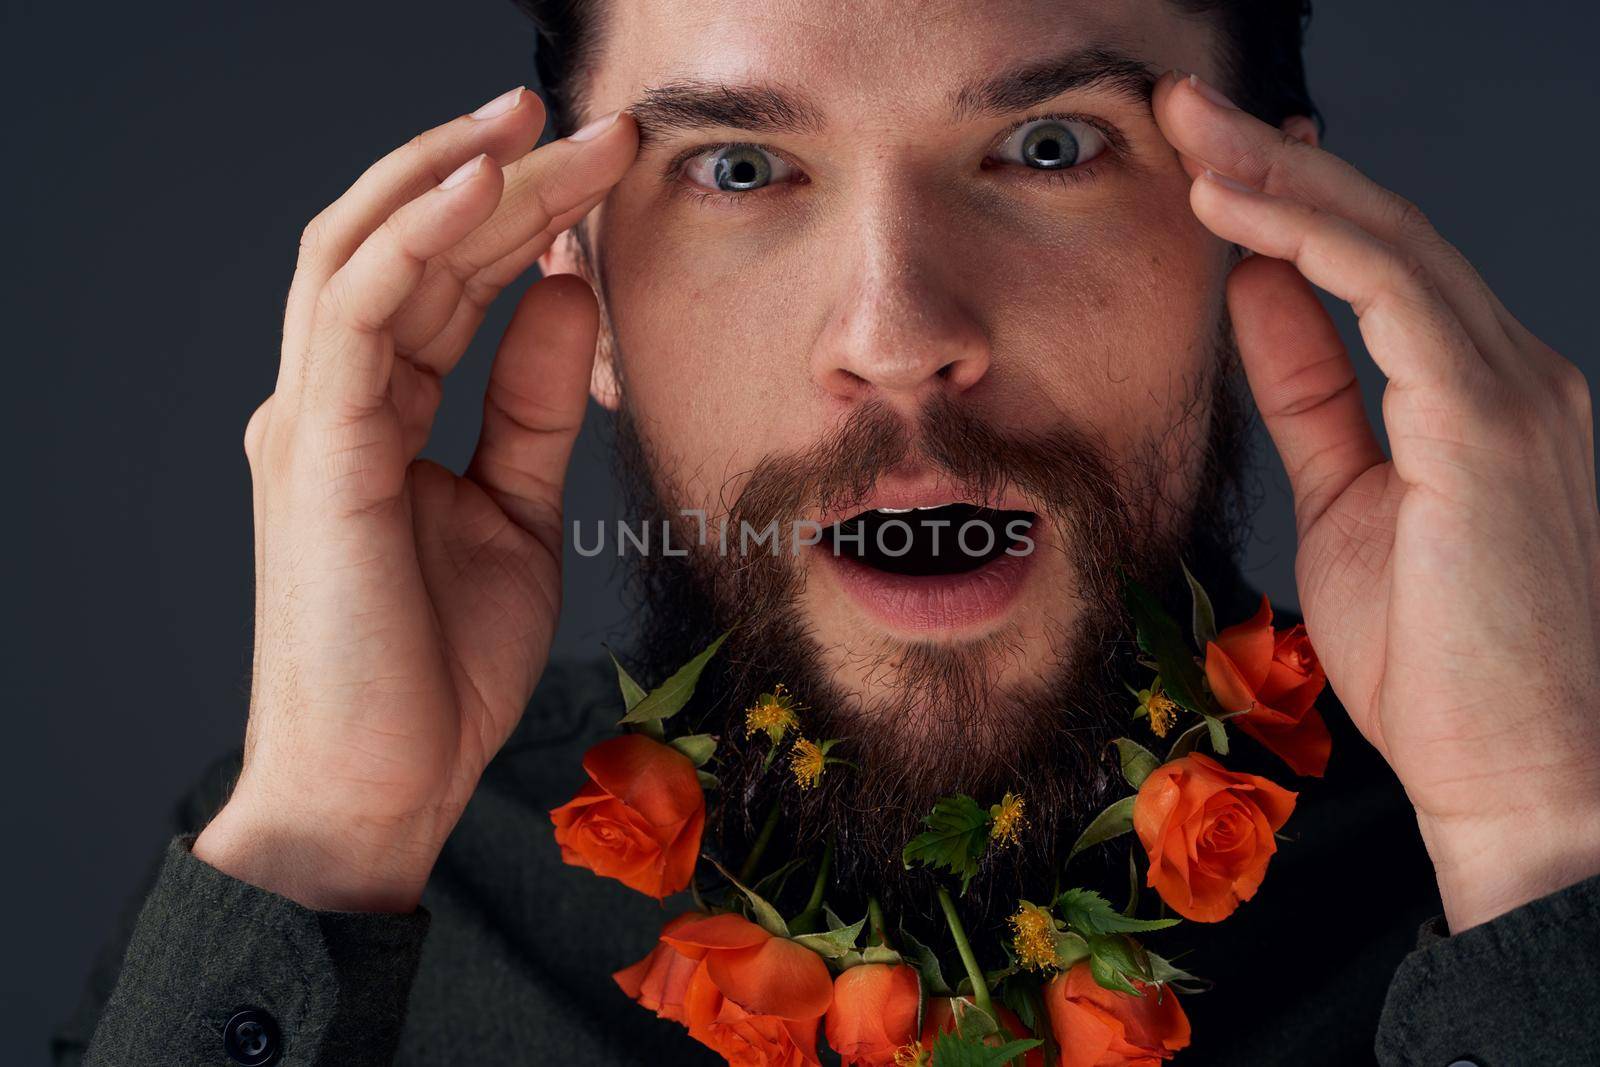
874 1013
1099 1027
1276 676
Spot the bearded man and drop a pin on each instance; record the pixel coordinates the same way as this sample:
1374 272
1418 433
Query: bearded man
831 266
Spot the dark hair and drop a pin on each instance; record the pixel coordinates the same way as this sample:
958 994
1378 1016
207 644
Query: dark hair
1265 72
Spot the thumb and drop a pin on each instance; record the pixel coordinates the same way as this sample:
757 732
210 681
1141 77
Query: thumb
538 388
1304 384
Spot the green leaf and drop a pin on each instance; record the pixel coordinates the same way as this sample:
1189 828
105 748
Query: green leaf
1160 636
698 747
1071 949
1137 761
1113 822
957 835
833 943
1090 913
765 915
708 781
1133 884
1164 972
1219 735
1115 960
1203 618
972 1021
632 691
951 1049
927 963
668 698
880 954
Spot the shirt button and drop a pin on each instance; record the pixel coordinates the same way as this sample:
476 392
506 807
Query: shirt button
251 1037
1464 1063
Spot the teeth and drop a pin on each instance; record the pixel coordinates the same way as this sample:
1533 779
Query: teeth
904 511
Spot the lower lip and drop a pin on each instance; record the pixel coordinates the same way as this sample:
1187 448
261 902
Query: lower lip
933 602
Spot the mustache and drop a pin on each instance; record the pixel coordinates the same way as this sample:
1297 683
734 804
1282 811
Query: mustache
1065 469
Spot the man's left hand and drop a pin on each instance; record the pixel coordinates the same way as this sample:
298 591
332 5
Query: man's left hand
1450 587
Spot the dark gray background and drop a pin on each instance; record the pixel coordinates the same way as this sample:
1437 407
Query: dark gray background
164 158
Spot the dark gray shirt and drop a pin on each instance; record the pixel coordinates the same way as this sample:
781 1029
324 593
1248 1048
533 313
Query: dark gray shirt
509 959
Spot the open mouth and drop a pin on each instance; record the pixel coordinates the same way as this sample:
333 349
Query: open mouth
926 542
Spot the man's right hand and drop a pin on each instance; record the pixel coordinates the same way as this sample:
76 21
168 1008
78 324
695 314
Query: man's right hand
404 614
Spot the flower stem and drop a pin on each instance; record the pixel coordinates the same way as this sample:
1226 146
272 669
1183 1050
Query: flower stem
763 838
821 884
980 987
875 917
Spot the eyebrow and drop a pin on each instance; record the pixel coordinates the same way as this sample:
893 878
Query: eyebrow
1027 86
696 104
691 104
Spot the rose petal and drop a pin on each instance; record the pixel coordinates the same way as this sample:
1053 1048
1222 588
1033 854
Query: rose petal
655 780
777 977
715 932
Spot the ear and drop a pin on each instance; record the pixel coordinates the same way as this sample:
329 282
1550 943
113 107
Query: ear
1301 129
564 256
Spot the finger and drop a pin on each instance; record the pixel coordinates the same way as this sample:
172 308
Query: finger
546 192
1304 384
1204 127
534 405
505 129
467 301
347 365
1410 332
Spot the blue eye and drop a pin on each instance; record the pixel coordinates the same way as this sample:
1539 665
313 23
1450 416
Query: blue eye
736 168
1052 144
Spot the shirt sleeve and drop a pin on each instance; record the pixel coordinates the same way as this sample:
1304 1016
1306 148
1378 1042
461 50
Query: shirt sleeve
204 968
1521 988
219 971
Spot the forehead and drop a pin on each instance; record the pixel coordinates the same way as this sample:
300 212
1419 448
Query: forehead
886 54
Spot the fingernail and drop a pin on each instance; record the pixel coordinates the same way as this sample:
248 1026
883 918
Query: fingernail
1207 90
594 129
462 173
500 104
1227 182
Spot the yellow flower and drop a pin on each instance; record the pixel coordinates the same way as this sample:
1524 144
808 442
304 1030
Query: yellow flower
807 761
772 714
1007 821
1163 713
1035 938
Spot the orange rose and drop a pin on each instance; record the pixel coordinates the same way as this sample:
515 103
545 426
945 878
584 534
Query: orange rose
1208 832
660 980
939 1016
640 817
754 998
1277 677
1099 1027
874 1013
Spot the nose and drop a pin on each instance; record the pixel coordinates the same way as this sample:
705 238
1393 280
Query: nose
900 331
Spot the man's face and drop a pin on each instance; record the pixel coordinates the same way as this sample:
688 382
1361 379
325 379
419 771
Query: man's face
868 211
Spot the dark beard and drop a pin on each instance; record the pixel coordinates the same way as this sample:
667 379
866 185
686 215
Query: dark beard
948 727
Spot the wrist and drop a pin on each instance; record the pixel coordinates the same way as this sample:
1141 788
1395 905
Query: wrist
323 862
1488 866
